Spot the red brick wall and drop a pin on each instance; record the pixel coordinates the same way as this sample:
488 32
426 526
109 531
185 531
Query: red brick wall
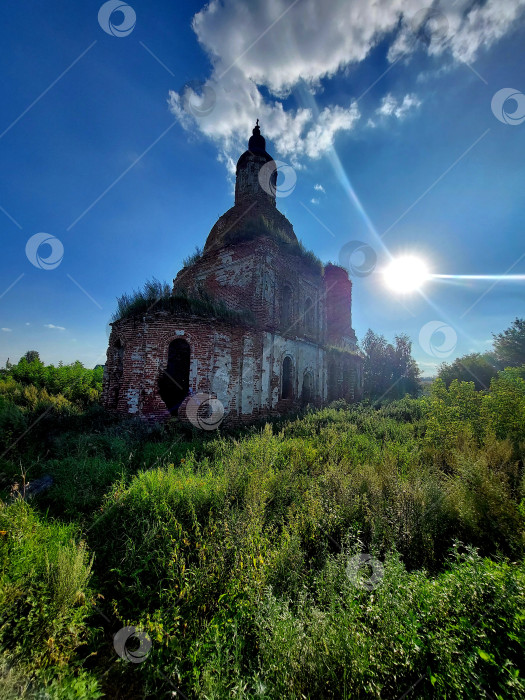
338 306
245 276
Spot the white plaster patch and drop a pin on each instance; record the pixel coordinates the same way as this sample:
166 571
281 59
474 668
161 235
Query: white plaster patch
132 396
221 379
248 388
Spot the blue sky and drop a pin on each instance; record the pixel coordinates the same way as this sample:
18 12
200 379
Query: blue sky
397 133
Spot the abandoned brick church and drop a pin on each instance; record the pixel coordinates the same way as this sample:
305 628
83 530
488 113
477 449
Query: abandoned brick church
255 321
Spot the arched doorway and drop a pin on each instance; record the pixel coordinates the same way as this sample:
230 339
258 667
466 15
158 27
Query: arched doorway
174 382
287 387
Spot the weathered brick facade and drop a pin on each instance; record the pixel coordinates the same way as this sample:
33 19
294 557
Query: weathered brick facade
290 341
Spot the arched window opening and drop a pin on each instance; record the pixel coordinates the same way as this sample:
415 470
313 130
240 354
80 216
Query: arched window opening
286 307
309 317
307 388
287 388
174 382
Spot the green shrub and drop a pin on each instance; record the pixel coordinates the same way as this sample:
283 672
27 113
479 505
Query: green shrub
44 593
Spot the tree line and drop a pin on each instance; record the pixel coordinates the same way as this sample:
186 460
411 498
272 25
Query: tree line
390 371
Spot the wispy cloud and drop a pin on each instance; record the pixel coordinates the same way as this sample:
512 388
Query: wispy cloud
262 51
52 325
319 188
314 200
398 108
7 330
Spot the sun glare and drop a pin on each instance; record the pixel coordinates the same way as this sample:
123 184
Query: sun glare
406 274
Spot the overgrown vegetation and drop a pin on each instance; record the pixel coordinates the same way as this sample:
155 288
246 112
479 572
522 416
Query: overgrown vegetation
231 551
157 296
508 350
253 228
32 393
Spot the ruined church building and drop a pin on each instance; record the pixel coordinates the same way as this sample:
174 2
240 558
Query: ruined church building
255 321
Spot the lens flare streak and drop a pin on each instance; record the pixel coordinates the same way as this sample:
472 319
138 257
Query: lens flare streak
509 278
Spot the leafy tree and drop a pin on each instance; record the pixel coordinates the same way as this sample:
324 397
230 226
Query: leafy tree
38 382
475 367
509 346
32 356
389 371
504 405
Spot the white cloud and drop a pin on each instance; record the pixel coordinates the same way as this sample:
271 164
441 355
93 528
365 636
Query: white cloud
397 108
314 200
51 325
460 27
261 50
28 324
7 330
294 133
320 188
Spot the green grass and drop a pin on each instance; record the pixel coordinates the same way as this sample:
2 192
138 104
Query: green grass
231 551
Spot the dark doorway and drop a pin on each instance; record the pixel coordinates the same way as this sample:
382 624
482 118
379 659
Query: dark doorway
174 382
287 390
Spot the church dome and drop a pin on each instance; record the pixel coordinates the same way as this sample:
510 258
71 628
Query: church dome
257 144
254 213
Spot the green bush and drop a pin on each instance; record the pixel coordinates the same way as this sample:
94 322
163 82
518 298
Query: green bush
44 593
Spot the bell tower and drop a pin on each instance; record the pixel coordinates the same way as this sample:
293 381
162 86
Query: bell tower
256 174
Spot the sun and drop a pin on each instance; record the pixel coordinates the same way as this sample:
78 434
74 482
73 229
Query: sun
406 274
